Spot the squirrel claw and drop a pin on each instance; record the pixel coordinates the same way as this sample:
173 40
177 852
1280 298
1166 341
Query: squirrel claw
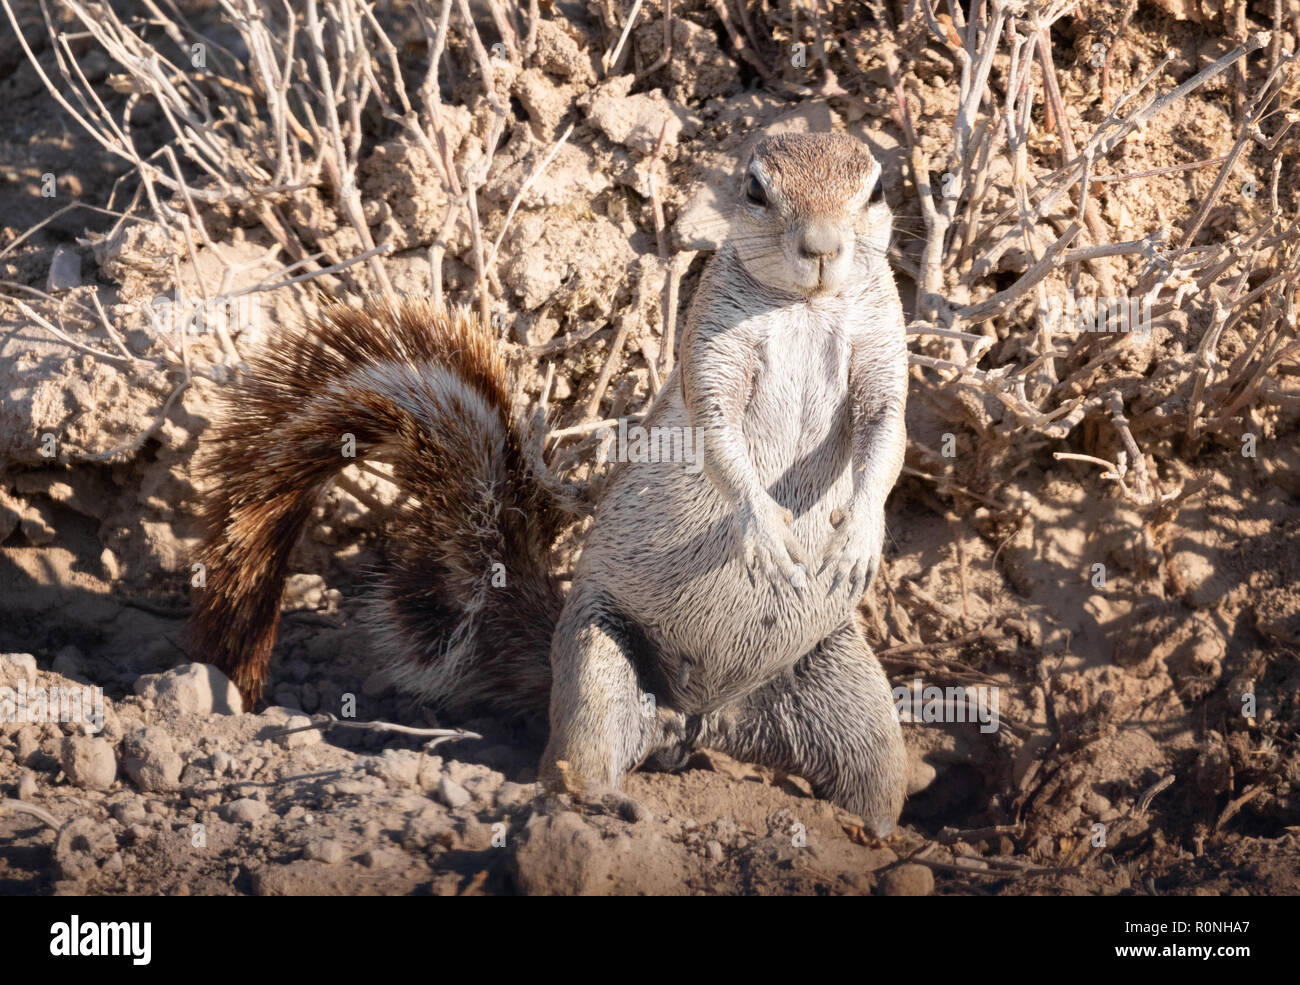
607 800
769 546
852 561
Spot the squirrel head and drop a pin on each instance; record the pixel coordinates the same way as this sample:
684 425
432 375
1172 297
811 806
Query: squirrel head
810 217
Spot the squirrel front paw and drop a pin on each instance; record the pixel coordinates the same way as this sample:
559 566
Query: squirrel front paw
852 555
560 780
768 544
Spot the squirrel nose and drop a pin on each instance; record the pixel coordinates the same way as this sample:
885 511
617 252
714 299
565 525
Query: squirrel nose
820 241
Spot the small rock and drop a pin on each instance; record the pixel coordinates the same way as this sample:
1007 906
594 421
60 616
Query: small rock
65 270
637 120
303 591
907 880
138 833
324 850
17 667
222 762
298 740
89 763
430 827
452 793
920 775
714 849
127 811
151 760
26 786
400 766
380 858
475 836
515 794
27 745
1194 574
243 811
196 689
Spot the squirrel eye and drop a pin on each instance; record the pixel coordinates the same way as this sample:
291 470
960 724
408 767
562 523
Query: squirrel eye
877 193
754 191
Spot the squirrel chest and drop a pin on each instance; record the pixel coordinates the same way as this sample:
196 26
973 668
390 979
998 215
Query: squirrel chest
664 539
796 420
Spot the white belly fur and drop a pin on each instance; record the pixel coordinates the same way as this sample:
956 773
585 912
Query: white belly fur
669 559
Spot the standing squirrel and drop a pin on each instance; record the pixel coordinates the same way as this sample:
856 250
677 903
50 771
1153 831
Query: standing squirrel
708 608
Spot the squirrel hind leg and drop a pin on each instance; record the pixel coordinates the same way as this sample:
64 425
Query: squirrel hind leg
603 724
831 719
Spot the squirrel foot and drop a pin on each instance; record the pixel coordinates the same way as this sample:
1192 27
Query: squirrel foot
596 798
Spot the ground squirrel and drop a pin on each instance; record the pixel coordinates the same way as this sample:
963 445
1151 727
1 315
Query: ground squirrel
708 608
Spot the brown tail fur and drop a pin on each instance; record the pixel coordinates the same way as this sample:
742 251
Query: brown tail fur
430 392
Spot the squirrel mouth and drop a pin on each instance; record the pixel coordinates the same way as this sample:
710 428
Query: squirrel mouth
827 282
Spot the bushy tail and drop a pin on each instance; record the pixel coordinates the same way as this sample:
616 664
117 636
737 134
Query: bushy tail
467 598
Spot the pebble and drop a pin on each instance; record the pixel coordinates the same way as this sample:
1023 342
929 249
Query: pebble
907 880
243 811
428 828
380 858
26 786
195 689
303 591
26 744
474 836
17 666
151 761
298 740
65 270
452 793
324 850
127 811
920 775
714 848
89 763
400 766
515 794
